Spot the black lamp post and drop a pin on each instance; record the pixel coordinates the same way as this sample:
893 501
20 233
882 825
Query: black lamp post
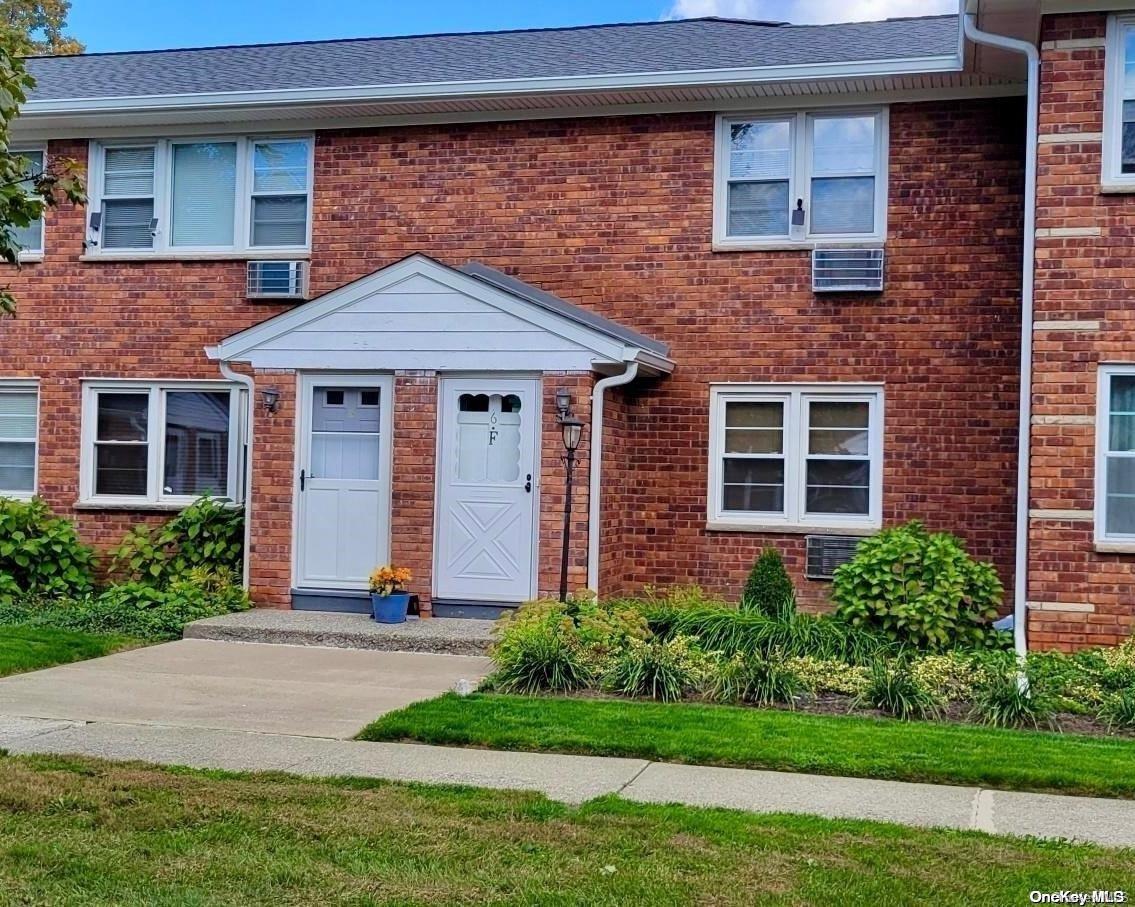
572 429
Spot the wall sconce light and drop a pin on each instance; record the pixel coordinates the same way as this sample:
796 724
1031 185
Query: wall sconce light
563 401
270 399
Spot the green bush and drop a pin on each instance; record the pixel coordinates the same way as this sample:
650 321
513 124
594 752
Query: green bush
40 553
748 633
665 671
203 543
919 588
769 590
130 609
893 689
756 680
1000 699
829 675
539 653
1118 710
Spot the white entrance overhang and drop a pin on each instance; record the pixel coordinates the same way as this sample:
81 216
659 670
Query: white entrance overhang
419 314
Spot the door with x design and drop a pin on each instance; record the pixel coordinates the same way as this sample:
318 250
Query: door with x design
486 543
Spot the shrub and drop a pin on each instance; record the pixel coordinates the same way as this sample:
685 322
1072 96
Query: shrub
733 632
658 670
756 680
1118 710
204 539
40 553
769 590
828 675
130 609
893 689
539 654
1001 700
919 588
950 676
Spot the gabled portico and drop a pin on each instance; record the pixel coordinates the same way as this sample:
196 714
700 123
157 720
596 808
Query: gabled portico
417 424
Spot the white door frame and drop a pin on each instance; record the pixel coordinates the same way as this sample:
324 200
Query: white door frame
306 382
476 381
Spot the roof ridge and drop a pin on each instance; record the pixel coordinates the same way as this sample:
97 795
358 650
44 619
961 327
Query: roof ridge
762 23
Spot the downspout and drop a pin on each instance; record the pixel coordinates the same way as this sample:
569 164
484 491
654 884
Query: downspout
593 508
246 474
1021 564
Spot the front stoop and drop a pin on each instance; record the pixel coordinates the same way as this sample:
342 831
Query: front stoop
346 631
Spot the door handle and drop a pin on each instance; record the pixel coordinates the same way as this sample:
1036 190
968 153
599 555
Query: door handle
302 479
528 483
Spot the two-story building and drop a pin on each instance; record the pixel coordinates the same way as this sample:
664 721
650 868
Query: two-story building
778 271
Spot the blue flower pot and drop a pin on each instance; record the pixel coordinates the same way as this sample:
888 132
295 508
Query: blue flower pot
390 609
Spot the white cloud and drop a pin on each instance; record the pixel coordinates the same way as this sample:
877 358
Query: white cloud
809 10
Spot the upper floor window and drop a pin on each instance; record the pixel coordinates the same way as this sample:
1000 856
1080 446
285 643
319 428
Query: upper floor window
800 177
193 195
30 238
796 455
1119 103
1115 455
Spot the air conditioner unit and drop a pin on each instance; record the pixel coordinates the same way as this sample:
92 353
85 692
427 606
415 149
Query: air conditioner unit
825 553
847 270
277 279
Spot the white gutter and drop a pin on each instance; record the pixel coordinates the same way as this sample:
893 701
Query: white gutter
250 386
593 502
1021 564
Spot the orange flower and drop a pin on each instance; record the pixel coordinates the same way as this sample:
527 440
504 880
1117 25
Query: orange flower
389 578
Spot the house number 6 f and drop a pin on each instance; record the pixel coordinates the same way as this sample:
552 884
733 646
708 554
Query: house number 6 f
493 429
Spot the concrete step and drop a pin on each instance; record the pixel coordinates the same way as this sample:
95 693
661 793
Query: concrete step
450 636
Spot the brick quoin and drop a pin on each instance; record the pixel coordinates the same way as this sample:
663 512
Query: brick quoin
613 214
1086 278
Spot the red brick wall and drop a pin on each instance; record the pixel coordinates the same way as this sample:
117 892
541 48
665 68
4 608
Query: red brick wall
614 214
1084 316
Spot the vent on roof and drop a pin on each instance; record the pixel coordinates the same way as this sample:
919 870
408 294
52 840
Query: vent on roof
847 270
827 552
277 279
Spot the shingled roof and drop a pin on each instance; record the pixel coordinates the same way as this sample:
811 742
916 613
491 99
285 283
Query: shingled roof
601 50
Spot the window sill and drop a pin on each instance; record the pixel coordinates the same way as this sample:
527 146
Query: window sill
1109 187
1115 547
301 255
790 246
788 529
31 258
142 506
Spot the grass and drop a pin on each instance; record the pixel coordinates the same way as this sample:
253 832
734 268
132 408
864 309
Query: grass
82 832
770 739
31 648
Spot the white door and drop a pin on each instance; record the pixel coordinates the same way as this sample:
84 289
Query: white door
343 481
487 483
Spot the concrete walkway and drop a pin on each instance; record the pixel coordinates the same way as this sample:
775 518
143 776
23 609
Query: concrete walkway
575 779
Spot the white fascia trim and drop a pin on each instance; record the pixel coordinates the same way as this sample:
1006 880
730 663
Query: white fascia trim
239 346
475 88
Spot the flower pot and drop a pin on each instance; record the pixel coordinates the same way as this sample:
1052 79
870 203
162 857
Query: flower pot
390 609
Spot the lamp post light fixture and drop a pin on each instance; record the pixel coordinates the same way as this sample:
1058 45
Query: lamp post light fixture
572 429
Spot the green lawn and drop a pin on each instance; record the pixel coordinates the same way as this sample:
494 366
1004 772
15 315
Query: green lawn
31 648
85 832
769 739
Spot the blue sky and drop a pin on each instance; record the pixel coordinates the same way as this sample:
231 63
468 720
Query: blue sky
149 24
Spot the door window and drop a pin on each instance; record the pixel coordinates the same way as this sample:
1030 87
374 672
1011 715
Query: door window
345 432
488 438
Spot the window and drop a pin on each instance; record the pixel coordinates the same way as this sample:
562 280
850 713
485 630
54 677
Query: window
19 415
1119 103
832 162
796 455
1115 455
207 195
161 442
30 238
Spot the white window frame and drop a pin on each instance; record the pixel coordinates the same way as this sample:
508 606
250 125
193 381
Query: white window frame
1103 432
155 463
795 398
33 148
1113 176
163 197
23 386
800 178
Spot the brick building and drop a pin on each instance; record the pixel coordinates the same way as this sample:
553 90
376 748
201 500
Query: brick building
353 285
